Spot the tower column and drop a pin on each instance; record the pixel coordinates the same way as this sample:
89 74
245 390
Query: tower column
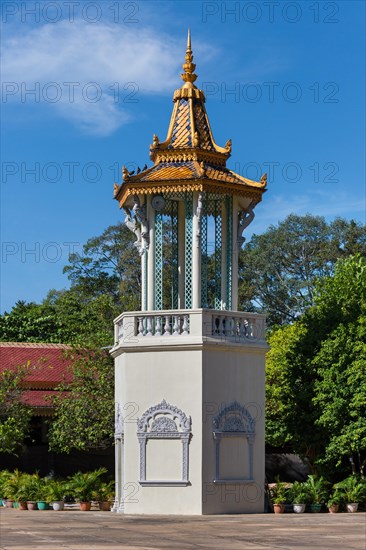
181 254
151 256
144 281
223 256
235 256
196 254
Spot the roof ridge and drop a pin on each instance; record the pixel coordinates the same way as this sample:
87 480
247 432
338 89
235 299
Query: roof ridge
41 345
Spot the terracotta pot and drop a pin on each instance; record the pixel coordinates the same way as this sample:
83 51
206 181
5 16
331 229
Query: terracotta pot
58 505
333 509
22 505
9 503
279 508
105 506
31 505
352 507
85 506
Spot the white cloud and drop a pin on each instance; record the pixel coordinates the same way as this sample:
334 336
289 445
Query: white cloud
101 53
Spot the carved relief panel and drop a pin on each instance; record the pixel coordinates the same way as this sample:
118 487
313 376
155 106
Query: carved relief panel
164 421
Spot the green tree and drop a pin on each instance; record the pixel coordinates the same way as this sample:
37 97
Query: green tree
84 408
105 281
28 322
278 270
65 317
14 415
291 414
109 265
82 321
340 388
316 374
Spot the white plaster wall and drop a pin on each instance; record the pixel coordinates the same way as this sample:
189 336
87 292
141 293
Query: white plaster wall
144 379
233 374
164 459
199 382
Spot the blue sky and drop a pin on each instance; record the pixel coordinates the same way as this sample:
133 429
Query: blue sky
283 80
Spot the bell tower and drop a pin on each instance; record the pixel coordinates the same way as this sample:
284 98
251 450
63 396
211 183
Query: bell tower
189 366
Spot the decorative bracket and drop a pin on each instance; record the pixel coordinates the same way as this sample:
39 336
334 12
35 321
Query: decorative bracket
118 422
245 217
138 225
199 212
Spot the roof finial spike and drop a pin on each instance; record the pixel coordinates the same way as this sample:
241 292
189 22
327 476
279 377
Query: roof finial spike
189 40
189 66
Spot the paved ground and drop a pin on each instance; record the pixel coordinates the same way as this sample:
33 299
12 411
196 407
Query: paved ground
75 530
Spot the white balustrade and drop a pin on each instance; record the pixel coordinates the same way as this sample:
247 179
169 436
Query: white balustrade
120 331
167 329
238 326
131 328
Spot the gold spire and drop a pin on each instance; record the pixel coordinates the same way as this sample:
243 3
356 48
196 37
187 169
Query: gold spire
188 66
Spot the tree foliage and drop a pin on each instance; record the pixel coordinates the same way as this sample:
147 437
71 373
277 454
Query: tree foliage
340 388
105 281
316 374
278 270
290 412
110 266
14 415
84 408
316 366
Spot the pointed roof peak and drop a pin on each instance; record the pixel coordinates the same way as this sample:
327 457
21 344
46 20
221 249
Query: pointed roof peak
189 66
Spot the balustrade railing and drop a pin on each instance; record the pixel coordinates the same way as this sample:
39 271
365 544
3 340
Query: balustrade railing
242 326
162 325
239 327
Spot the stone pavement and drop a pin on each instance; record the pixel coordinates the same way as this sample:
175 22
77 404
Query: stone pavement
75 530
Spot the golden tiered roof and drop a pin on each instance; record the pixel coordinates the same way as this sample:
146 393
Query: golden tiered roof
189 159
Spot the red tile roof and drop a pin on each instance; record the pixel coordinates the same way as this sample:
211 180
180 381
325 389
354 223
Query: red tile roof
50 366
37 398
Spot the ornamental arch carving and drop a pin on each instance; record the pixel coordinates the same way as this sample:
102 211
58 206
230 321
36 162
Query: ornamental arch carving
234 421
164 421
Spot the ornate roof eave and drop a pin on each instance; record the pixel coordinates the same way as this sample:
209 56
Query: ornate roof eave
248 188
188 153
189 159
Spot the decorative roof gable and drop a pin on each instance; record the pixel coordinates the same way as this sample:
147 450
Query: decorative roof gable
189 152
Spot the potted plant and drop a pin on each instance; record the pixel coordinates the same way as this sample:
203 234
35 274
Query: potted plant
11 486
28 490
299 497
84 485
316 488
21 494
4 475
55 491
278 496
334 502
353 491
104 494
41 497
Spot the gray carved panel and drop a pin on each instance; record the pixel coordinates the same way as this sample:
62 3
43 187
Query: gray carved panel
164 421
234 420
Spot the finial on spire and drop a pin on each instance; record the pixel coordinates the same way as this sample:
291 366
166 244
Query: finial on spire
188 66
